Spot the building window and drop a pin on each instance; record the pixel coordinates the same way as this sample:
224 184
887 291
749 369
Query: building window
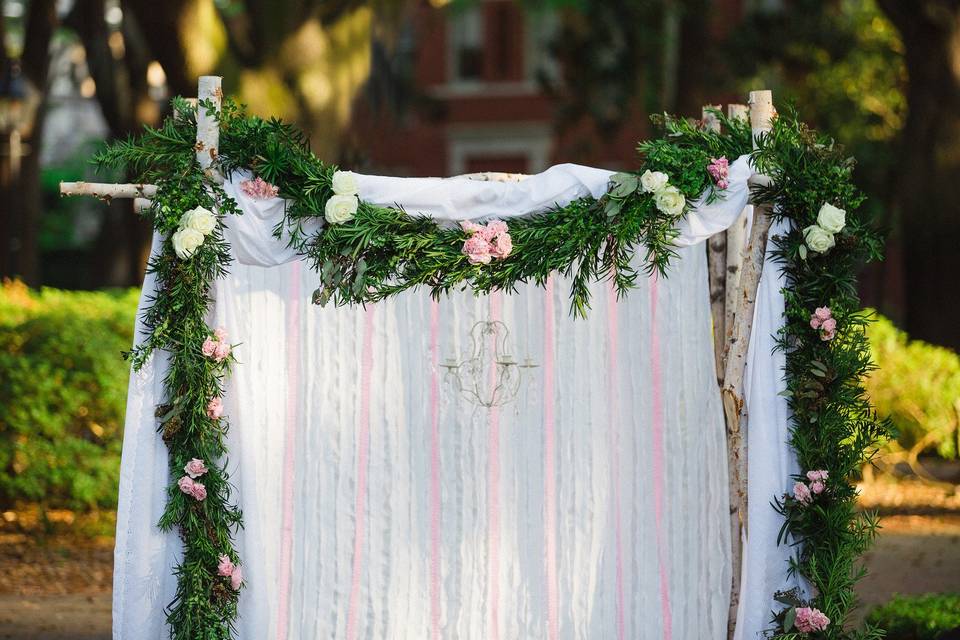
466 45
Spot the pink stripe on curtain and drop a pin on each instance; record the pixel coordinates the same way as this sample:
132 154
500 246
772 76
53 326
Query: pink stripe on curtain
493 489
435 495
363 449
658 465
289 449
549 466
613 407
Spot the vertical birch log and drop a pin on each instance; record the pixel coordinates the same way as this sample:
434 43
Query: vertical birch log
736 238
209 92
761 113
716 265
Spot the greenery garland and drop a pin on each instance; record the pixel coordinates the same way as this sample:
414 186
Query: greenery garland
375 252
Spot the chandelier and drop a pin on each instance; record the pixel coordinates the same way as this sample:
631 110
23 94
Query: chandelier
490 377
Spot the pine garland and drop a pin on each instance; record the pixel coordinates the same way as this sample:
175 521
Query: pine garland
382 251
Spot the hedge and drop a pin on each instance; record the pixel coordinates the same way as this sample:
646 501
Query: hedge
925 617
62 394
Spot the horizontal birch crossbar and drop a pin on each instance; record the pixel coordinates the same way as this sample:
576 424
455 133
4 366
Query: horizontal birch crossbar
108 191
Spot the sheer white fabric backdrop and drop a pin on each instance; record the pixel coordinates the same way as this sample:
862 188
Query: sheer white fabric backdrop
601 513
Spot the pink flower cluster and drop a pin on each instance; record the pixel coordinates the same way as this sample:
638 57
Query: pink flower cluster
215 408
259 189
194 469
823 321
809 620
486 242
804 493
719 170
227 569
217 347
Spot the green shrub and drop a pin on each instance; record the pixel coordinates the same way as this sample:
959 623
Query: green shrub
918 617
62 394
918 386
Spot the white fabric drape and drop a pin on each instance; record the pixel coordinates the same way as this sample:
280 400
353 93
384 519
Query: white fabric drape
380 504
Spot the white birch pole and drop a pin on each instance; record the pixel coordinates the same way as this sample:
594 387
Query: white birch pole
736 237
107 191
716 265
761 114
209 93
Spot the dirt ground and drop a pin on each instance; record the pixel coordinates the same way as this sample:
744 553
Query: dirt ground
59 589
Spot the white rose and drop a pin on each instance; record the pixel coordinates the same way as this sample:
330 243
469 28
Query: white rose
199 219
831 218
670 201
186 241
653 181
344 183
818 239
340 209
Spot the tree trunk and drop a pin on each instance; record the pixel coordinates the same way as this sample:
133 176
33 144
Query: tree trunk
27 197
928 188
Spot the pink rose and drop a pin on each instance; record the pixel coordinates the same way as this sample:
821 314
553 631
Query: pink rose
236 578
220 334
209 347
823 313
809 620
215 408
819 474
477 250
198 491
226 567
502 246
722 184
801 493
817 486
828 329
186 484
195 468
221 351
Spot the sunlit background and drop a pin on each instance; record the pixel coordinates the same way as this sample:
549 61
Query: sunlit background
437 87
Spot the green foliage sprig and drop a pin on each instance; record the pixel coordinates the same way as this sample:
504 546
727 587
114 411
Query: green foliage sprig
833 426
205 605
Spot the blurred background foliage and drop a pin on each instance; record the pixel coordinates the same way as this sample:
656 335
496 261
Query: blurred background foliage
62 394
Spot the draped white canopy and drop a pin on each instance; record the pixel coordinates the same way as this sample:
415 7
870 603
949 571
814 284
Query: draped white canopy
380 504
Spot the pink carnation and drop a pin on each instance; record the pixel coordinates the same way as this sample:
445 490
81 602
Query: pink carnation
801 493
502 246
817 486
220 334
818 474
828 329
221 352
194 469
477 250
215 408
198 491
470 227
496 228
209 347
186 484
823 313
809 620
236 578
719 170
259 189
226 566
